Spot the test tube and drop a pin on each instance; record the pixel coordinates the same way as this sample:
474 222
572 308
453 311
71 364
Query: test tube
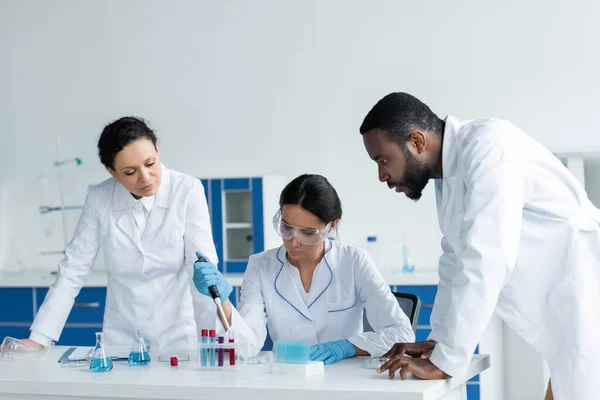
231 350
220 351
213 335
204 352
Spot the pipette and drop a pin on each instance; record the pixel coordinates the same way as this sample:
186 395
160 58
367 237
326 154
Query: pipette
214 292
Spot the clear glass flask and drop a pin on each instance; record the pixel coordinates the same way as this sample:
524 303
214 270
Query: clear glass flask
139 352
101 362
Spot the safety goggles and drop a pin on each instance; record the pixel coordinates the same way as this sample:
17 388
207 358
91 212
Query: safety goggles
306 236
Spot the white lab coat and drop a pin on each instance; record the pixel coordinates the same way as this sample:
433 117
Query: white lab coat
521 237
345 283
149 277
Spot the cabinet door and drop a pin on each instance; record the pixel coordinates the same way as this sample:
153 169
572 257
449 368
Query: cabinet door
473 392
16 312
238 224
258 228
216 220
237 218
88 307
206 186
20 332
79 336
17 305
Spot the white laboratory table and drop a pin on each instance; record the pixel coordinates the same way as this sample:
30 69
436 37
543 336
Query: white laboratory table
44 378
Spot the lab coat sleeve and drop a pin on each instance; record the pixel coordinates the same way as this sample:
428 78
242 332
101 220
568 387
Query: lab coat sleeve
487 245
250 322
73 270
389 323
447 269
198 237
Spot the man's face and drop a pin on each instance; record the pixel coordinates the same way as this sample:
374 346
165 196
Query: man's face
397 166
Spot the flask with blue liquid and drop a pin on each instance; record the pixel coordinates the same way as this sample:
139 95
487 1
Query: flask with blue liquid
101 362
139 352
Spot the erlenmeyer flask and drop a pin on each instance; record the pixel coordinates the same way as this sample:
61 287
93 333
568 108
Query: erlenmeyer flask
139 352
101 362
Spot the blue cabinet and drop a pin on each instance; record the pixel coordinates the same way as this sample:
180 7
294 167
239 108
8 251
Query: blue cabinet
240 212
88 307
16 314
12 330
78 335
473 392
17 305
84 320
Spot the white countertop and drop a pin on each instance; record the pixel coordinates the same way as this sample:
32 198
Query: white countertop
98 279
343 380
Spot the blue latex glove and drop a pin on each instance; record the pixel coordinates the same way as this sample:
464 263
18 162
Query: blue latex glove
331 352
206 274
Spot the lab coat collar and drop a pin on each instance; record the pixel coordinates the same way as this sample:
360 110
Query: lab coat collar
147 202
287 290
322 278
122 199
449 147
162 201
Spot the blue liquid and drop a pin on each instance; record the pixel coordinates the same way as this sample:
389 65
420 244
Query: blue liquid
204 353
101 365
212 353
137 358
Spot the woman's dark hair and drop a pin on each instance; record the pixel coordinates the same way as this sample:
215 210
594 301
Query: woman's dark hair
315 194
119 134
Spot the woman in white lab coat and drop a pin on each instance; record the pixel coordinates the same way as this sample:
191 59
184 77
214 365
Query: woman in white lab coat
149 221
312 289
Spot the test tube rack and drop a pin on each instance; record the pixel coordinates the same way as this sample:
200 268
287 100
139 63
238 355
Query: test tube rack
218 356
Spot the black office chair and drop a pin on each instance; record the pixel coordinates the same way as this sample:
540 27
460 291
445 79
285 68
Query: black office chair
409 303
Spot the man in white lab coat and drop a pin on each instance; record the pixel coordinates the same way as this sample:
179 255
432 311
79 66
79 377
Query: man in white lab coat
520 238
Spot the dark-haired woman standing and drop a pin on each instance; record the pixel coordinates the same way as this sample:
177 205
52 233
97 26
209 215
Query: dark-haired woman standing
312 289
149 221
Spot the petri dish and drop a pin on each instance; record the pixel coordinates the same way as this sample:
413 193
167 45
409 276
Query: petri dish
374 362
166 357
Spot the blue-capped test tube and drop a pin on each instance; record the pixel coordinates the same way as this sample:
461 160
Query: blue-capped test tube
213 340
203 351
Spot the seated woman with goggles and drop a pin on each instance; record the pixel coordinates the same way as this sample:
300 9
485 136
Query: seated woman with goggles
311 289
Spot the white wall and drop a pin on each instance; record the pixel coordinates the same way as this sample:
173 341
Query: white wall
226 83
223 85
5 122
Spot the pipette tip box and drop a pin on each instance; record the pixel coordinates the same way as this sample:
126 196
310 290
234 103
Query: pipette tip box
293 358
